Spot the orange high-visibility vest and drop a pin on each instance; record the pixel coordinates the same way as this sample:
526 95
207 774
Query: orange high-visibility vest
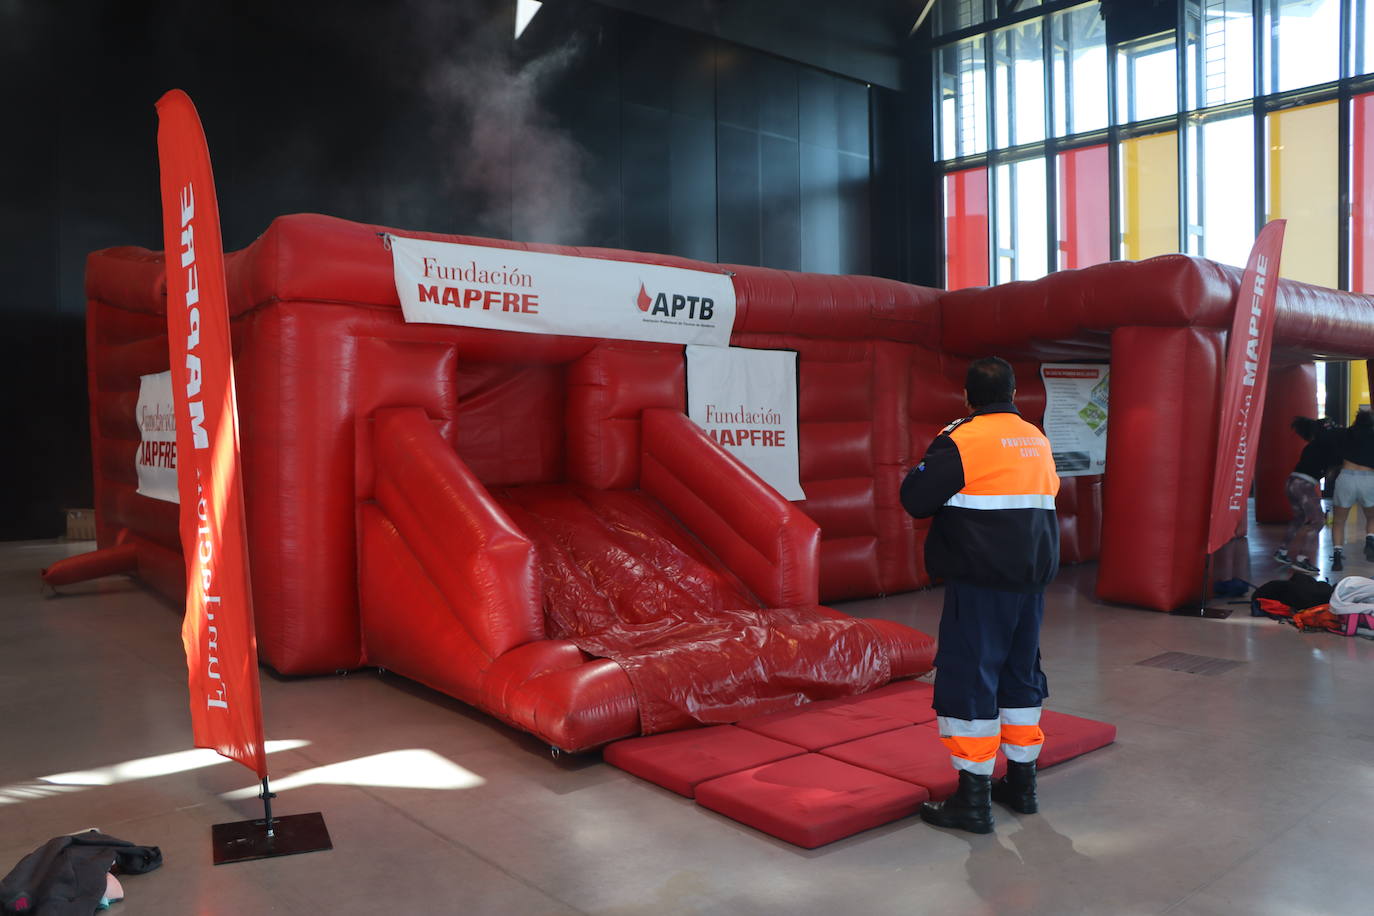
989 483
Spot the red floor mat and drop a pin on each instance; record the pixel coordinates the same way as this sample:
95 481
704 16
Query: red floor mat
822 724
905 700
912 754
869 771
680 760
1067 737
810 800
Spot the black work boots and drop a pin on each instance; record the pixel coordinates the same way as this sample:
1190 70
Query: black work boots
1016 790
969 808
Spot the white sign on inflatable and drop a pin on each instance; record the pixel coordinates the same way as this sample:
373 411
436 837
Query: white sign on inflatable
156 458
746 400
1076 416
532 292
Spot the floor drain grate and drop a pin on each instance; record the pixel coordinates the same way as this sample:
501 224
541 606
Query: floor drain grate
1192 664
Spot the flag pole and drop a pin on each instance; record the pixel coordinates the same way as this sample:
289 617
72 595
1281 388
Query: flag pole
267 795
217 629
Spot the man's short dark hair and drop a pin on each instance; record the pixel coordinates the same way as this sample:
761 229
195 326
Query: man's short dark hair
990 380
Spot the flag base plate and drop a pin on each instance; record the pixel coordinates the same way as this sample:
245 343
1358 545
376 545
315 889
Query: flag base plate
244 841
1210 613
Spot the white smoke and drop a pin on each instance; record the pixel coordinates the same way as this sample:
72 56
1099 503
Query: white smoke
501 150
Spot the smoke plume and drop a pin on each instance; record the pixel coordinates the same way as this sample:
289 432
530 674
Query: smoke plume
501 151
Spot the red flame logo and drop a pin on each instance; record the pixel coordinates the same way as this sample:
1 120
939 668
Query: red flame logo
643 300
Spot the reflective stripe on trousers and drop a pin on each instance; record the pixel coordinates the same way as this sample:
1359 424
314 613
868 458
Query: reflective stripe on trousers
1021 734
972 743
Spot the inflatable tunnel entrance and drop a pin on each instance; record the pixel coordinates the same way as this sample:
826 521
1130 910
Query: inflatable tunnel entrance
410 489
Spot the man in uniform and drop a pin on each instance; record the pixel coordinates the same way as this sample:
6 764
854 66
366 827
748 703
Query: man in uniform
989 484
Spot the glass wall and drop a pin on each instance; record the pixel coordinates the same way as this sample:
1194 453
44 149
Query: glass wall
1018 85
1146 79
1303 189
1022 224
953 15
1078 38
1221 52
1221 188
963 100
1361 53
1302 40
1064 148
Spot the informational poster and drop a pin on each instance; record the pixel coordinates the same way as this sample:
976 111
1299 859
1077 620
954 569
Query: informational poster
1076 416
156 458
506 289
746 400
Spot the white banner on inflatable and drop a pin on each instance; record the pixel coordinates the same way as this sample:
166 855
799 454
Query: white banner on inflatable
536 293
156 458
746 400
1076 416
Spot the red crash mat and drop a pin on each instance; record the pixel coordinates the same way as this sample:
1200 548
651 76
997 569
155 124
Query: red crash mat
906 700
810 799
819 725
916 754
1067 737
680 760
624 580
912 754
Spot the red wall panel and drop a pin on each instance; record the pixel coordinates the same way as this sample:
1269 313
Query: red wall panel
966 228
1084 220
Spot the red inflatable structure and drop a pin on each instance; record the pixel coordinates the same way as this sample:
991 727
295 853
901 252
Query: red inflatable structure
530 523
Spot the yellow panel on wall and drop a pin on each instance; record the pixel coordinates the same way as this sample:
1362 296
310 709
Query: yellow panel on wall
1359 388
1303 189
1149 195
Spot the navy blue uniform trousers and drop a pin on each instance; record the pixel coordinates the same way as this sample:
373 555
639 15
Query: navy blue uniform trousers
989 652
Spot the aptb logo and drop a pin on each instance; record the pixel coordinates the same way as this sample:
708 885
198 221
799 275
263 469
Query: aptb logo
701 308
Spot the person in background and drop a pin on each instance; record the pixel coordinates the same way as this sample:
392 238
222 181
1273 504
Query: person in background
1305 496
1354 484
989 482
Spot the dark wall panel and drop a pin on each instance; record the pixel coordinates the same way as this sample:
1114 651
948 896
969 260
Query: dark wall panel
692 153
921 230
821 213
854 214
737 194
667 68
647 177
777 87
780 196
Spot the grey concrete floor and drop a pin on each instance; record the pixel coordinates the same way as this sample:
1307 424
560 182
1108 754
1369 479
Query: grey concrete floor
1249 792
